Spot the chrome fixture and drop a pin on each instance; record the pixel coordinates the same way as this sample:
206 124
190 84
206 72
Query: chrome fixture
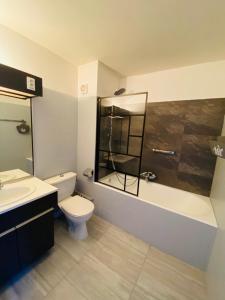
218 146
167 152
22 128
148 176
120 91
1 185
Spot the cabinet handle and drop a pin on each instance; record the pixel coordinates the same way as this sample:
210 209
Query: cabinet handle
34 218
7 231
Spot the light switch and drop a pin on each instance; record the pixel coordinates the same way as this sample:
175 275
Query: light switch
30 83
84 88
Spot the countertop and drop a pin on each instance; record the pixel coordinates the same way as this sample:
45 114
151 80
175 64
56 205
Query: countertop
41 189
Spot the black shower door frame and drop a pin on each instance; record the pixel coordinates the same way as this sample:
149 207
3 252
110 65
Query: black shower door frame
97 148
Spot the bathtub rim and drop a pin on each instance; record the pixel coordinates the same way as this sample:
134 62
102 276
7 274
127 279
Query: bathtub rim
212 224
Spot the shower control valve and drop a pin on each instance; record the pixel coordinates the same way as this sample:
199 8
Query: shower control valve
148 176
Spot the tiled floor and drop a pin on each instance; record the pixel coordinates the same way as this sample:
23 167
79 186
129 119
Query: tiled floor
110 264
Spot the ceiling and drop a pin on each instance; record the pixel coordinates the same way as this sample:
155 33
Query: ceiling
130 36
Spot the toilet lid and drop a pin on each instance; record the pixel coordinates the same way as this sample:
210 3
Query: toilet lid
77 206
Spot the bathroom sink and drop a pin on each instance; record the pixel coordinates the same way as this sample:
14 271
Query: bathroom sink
11 193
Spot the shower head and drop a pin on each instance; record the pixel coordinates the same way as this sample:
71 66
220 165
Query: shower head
23 128
120 91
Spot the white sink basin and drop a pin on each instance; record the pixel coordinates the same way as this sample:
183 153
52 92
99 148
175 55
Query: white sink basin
11 193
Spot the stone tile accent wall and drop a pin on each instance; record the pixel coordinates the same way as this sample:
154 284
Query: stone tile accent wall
185 127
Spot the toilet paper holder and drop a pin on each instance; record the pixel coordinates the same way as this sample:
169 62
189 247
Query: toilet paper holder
88 172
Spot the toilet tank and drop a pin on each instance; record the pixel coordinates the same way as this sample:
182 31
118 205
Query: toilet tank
65 183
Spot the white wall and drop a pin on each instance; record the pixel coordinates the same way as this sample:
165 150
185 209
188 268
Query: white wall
99 80
54 115
86 130
108 81
216 268
55 130
193 82
23 54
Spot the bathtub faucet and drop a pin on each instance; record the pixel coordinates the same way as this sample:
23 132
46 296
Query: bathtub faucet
148 176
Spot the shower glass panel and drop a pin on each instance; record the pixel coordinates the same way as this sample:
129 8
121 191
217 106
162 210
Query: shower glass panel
120 130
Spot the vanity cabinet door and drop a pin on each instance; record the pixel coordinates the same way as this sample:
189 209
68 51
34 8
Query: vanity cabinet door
9 263
35 237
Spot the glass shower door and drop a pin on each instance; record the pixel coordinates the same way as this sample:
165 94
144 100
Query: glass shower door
120 130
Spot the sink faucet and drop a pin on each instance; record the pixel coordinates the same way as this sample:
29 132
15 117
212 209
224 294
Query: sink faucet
1 184
148 176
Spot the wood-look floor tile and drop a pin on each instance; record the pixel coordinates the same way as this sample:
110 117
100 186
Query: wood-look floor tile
171 262
77 249
97 227
164 281
124 261
55 265
140 294
27 286
129 239
8 293
65 291
98 282
122 249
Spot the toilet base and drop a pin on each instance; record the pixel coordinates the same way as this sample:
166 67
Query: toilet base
78 231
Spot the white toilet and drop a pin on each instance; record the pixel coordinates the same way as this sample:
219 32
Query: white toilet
77 210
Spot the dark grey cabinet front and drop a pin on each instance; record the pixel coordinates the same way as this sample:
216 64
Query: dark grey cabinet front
35 237
26 233
9 261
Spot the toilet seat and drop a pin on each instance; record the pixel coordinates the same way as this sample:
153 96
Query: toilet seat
77 206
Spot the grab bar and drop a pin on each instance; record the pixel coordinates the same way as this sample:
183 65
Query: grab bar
167 152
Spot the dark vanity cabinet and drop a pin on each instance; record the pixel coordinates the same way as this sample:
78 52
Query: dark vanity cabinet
26 233
9 261
35 237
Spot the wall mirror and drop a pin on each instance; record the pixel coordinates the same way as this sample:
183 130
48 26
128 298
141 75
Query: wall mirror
16 155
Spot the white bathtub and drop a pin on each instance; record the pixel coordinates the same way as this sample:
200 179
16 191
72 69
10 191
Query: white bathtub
185 203
177 222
